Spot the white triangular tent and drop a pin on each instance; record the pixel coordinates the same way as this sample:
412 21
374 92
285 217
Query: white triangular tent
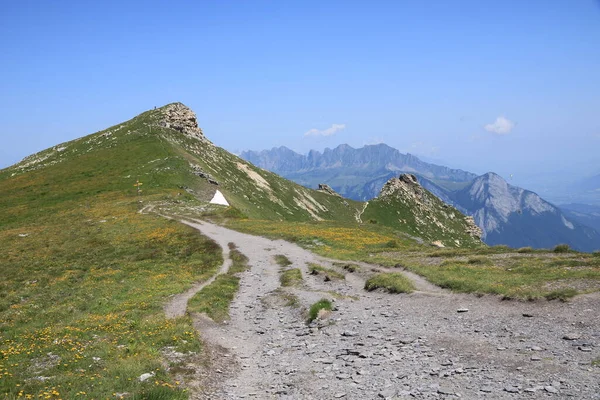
218 198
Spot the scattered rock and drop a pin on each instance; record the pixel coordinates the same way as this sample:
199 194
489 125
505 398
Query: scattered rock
146 376
387 393
446 391
572 336
550 389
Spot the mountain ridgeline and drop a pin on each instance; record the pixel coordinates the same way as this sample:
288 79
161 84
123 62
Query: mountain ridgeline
180 168
354 173
506 214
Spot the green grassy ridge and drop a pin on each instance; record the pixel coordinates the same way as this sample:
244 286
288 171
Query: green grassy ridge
401 213
85 275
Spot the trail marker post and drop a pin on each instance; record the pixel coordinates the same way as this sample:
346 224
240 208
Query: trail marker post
137 185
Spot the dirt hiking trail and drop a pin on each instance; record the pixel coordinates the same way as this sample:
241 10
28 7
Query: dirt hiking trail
373 345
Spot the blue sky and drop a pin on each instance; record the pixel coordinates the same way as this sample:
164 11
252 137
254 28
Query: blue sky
505 86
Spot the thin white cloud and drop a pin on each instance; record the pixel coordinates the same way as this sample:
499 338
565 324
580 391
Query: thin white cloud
502 126
326 132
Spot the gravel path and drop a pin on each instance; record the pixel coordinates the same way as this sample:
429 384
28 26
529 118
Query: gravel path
429 344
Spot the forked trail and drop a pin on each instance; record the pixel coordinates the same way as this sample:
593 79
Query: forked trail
376 345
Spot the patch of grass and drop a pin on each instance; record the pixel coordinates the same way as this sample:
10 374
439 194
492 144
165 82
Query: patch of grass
282 260
562 248
313 312
291 277
316 269
392 282
525 250
233 212
561 294
449 253
533 278
215 299
239 260
479 260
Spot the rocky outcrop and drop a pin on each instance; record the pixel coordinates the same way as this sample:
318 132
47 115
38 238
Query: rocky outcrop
406 185
181 118
472 228
197 170
327 189
418 209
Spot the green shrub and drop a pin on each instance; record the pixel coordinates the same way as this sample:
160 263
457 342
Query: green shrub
392 282
562 248
322 304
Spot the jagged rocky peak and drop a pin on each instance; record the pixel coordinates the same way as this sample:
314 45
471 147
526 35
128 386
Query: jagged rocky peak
327 189
181 118
405 184
409 178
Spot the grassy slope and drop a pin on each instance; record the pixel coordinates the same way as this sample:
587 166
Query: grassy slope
84 276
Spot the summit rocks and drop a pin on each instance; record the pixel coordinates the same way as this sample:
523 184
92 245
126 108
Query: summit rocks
181 118
404 203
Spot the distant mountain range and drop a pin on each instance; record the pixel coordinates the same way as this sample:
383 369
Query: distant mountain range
507 214
354 173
